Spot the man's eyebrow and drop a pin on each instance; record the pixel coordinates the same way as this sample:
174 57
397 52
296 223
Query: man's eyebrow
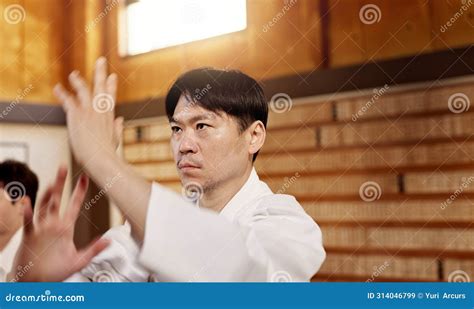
207 116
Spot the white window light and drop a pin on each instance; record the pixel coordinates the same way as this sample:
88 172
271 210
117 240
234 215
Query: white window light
156 24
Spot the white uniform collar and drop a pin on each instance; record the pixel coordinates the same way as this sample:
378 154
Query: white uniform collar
250 191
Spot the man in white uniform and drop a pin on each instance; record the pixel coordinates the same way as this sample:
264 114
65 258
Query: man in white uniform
18 189
236 230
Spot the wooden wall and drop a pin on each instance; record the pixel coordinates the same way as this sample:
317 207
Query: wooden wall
410 144
295 45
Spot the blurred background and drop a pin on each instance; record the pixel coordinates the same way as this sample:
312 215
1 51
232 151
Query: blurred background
370 126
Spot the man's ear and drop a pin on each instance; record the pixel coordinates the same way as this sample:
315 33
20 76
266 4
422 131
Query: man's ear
22 204
257 134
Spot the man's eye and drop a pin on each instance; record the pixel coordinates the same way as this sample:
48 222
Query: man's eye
175 129
201 126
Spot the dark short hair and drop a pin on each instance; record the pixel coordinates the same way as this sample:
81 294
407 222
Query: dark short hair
232 92
11 172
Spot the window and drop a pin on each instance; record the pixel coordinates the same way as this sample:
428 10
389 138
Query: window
152 24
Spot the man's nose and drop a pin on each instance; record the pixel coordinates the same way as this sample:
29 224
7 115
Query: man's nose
187 143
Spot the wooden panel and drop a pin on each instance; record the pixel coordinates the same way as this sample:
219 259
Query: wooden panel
379 132
11 59
458 270
328 185
381 105
302 137
399 238
404 29
401 212
345 33
360 159
291 45
380 267
300 115
148 152
461 31
436 181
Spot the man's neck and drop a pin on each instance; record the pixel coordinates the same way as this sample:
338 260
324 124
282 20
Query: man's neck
217 199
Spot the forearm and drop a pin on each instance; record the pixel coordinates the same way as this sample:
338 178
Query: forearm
129 191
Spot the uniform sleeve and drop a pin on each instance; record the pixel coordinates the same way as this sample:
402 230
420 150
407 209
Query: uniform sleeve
117 263
185 243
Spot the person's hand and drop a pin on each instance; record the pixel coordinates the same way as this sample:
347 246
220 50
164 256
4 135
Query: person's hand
47 251
90 114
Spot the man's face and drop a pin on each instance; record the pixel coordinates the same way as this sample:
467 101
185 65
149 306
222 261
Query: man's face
208 147
11 214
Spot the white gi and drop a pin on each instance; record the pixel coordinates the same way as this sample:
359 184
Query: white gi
258 236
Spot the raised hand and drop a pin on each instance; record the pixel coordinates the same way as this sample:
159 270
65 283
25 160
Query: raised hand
47 251
90 114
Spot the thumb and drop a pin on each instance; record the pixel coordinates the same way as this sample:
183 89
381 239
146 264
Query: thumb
86 255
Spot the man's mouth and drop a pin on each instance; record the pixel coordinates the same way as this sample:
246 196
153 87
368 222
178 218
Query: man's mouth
187 165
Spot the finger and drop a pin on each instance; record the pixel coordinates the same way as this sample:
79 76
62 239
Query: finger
58 190
80 86
100 76
28 219
86 255
118 130
66 99
42 208
77 199
111 85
